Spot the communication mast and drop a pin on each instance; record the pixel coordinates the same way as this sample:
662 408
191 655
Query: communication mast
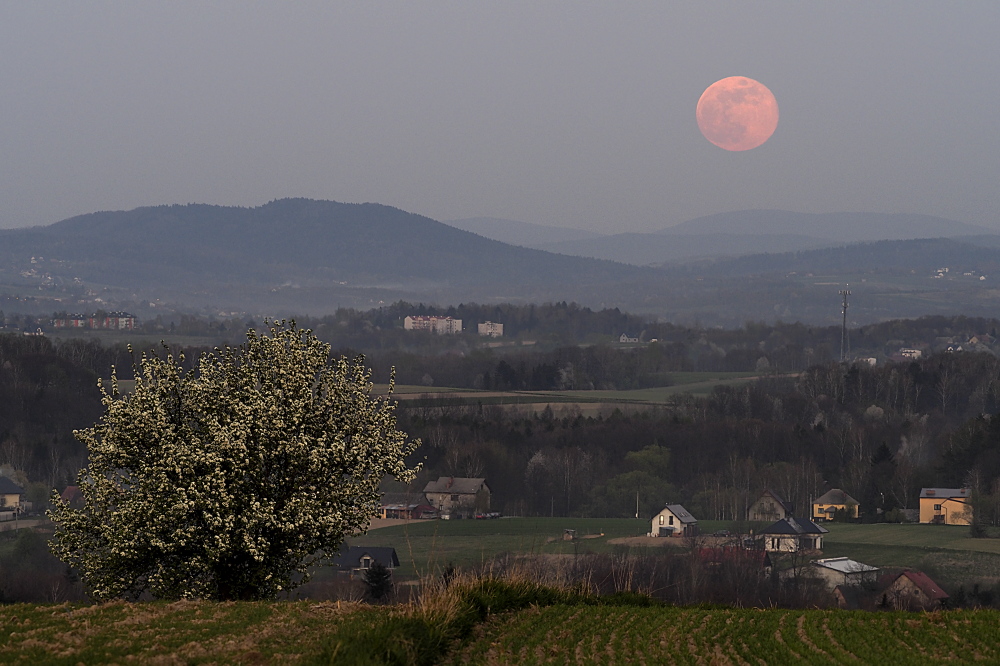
845 342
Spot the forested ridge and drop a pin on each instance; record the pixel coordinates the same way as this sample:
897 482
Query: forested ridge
881 433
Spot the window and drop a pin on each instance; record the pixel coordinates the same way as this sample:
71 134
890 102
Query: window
454 498
661 519
671 520
937 507
366 562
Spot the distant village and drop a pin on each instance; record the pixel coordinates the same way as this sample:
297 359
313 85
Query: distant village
853 584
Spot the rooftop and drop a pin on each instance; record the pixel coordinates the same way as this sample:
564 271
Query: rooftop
945 493
844 565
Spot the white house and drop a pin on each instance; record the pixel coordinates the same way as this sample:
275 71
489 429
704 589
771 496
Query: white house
624 338
674 520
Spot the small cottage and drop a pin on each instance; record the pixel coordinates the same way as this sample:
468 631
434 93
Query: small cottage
827 505
674 520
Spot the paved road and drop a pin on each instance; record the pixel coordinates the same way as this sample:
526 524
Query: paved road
21 523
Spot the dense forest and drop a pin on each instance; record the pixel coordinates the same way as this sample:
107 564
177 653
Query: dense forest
878 432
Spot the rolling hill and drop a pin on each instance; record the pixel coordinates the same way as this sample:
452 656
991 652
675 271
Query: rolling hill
759 231
312 251
524 234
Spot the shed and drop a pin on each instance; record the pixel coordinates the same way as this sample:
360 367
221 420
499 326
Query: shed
358 559
837 571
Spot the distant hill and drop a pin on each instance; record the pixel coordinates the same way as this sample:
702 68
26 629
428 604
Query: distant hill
838 227
653 248
758 231
923 256
524 234
319 247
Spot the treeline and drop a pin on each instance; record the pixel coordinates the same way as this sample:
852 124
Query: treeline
880 433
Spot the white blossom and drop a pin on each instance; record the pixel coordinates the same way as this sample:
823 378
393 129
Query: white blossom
229 480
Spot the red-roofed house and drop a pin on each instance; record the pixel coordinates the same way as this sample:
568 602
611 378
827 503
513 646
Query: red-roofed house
912 590
72 496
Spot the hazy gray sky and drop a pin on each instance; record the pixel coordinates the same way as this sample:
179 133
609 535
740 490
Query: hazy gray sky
566 113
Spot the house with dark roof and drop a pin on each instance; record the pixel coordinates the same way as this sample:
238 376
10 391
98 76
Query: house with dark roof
911 590
826 505
11 495
358 559
458 497
790 535
945 506
769 508
674 520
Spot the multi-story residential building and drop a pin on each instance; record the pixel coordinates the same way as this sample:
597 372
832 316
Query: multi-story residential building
440 325
491 329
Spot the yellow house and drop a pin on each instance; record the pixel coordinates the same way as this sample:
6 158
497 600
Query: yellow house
827 505
10 495
945 506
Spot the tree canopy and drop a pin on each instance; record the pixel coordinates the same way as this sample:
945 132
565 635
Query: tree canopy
229 480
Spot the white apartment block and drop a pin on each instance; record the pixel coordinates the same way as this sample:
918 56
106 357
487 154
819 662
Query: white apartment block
491 329
441 325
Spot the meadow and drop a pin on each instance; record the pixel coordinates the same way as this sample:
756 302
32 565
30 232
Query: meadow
588 402
946 553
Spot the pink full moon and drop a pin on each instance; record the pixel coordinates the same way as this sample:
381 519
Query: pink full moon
737 113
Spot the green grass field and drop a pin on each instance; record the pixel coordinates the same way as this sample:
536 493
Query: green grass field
428 546
696 383
944 552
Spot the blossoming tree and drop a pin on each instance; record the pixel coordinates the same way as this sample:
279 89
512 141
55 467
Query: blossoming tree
229 480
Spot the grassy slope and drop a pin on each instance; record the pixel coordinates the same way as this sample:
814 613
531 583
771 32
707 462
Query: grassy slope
486 622
190 632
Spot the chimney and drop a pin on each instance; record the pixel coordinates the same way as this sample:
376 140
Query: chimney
451 480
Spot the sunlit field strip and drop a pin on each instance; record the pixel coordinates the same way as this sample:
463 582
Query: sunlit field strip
568 635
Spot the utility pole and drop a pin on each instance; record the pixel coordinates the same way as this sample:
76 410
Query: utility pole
845 343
